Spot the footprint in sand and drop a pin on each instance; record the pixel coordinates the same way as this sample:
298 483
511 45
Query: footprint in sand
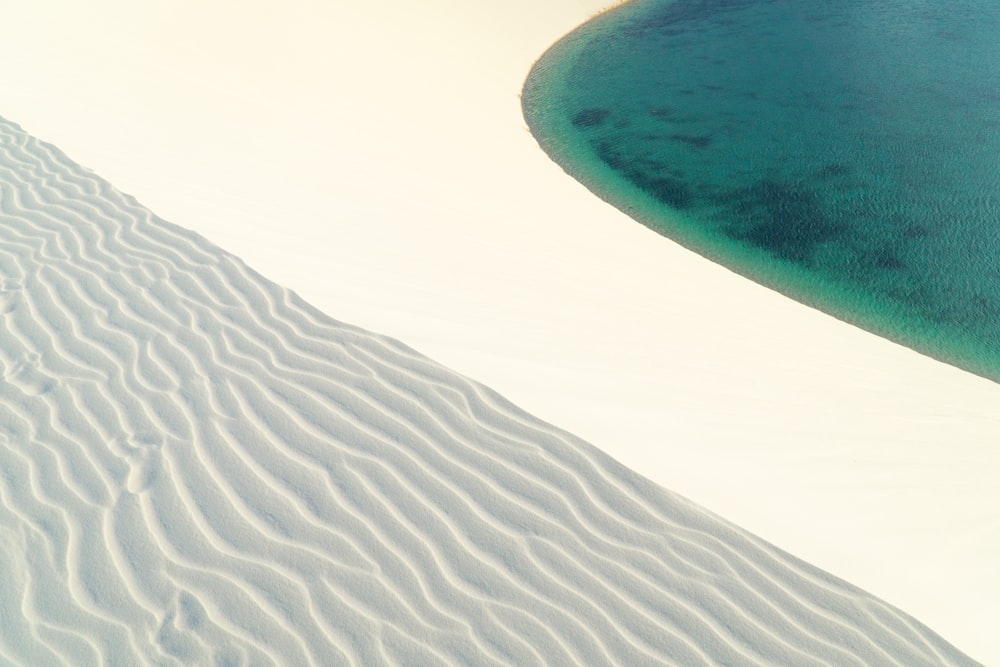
27 376
142 454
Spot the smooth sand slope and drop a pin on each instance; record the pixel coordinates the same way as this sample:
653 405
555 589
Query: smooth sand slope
198 468
372 157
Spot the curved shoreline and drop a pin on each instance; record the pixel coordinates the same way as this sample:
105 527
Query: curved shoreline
874 459
597 151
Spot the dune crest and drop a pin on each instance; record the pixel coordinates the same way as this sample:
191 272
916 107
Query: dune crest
196 467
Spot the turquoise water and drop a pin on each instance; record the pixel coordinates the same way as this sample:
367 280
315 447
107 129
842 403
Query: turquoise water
844 152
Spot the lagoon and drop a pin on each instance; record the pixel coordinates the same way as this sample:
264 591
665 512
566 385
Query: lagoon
847 155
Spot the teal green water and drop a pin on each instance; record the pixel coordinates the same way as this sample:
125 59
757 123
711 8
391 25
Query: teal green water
845 152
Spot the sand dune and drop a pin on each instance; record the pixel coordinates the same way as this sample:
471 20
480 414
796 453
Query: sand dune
197 467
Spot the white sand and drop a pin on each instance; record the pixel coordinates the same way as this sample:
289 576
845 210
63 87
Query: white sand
197 468
374 160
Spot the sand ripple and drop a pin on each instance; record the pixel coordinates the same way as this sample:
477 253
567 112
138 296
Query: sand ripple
196 467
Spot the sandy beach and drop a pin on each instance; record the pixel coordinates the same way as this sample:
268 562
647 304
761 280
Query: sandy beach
374 160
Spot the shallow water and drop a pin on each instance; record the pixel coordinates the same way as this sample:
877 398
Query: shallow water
845 153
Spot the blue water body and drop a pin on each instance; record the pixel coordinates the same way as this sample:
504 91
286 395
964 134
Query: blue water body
844 152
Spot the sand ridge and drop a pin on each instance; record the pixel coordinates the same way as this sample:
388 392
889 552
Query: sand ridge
200 468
